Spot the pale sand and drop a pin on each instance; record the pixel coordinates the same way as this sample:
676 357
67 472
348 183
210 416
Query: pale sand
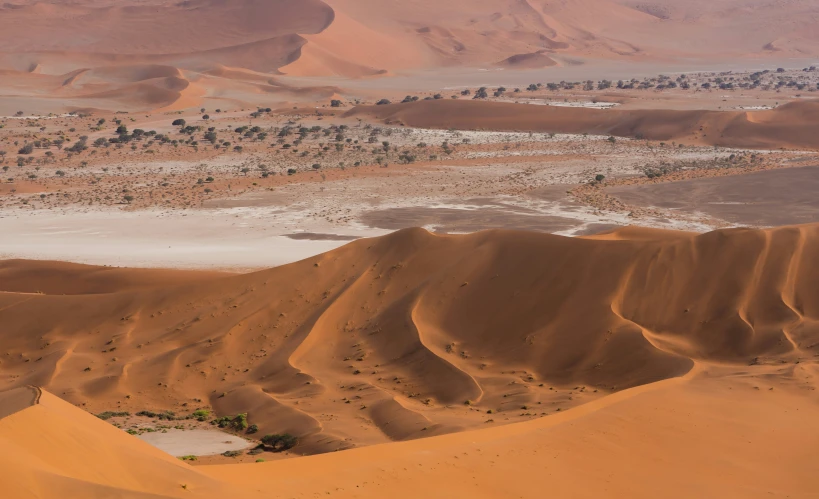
193 239
194 442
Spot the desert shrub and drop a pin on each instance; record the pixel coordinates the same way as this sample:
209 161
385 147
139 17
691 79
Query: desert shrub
231 453
201 414
279 442
252 429
238 422
112 414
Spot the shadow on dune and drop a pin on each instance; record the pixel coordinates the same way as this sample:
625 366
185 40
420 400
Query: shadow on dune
412 318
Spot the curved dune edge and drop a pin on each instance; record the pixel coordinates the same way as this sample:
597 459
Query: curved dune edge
701 434
789 126
18 399
423 334
350 49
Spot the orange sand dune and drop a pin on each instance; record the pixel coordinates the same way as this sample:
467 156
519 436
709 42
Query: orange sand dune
155 28
713 433
60 278
791 125
730 437
355 38
413 334
52 449
149 87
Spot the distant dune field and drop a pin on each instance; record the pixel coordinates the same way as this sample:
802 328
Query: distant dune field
45 43
792 125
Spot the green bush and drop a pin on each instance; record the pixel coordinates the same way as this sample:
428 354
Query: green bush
279 443
112 414
237 423
201 414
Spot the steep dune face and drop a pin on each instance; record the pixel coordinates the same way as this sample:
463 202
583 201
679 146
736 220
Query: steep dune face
677 438
355 38
790 125
156 28
717 433
422 33
52 449
718 25
415 334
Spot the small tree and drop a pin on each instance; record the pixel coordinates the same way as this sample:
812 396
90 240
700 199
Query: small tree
279 443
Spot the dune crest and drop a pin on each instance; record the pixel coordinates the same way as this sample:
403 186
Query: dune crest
412 324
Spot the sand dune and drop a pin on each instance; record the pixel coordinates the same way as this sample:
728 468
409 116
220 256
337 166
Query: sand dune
60 278
715 432
528 61
105 41
52 449
359 38
413 334
681 438
790 125
633 363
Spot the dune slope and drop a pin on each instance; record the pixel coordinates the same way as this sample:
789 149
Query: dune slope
790 125
414 334
715 432
701 437
52 449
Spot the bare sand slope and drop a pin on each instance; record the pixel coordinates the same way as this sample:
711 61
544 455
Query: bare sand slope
136 83
791 125
368 36
714 433
676 438
365 37
414 334
53 449
61 278
32 33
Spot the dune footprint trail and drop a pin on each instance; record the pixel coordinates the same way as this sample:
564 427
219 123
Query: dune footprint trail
413 334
